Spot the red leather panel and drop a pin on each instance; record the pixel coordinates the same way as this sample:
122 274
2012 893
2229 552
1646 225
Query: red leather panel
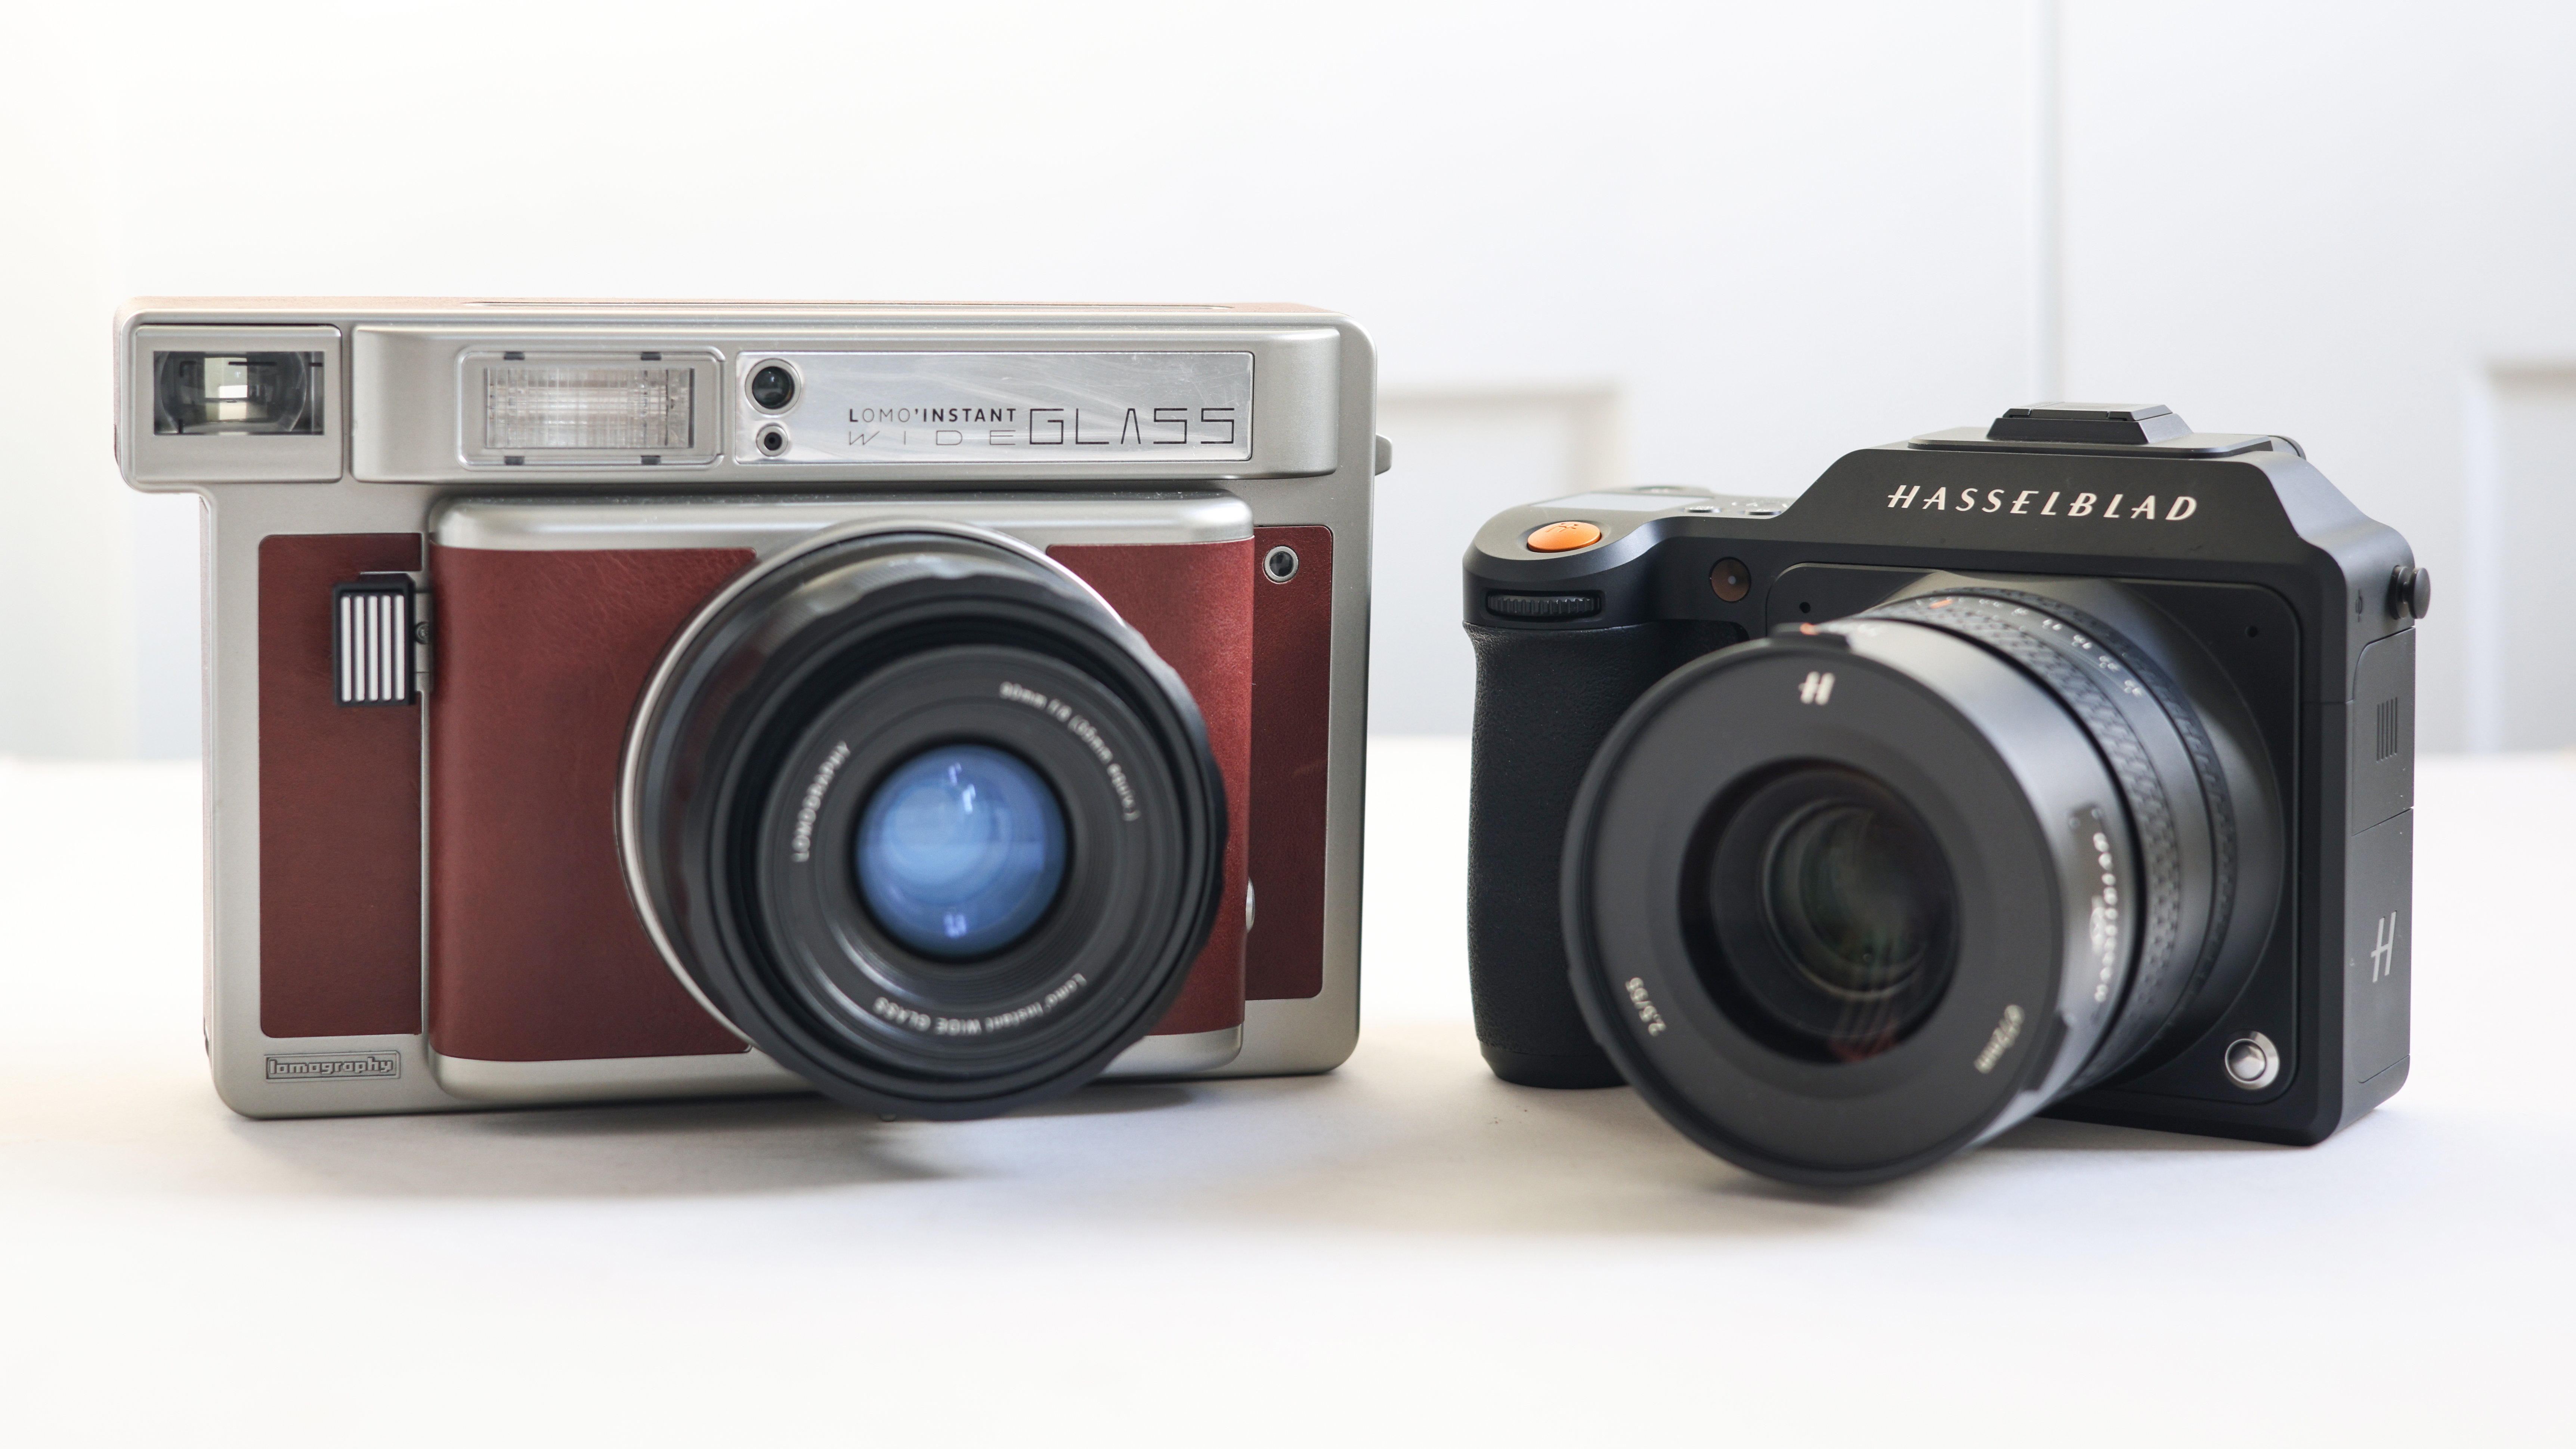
339 808
1292 698
535 952
1193 603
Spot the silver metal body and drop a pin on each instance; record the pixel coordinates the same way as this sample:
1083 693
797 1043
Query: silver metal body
401 451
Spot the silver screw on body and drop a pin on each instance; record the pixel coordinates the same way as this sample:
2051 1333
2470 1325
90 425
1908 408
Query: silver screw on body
2252 1061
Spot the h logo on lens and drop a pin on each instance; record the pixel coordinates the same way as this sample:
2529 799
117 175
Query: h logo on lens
1816 688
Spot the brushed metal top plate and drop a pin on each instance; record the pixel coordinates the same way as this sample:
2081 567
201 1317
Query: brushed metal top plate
1021 409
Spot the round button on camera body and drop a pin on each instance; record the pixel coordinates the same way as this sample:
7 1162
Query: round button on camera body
1560 537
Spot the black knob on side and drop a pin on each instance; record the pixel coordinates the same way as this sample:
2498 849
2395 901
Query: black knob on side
2410 592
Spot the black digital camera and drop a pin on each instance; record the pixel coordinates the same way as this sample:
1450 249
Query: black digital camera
2062 766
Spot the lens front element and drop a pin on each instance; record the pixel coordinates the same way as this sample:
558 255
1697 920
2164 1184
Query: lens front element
1849 897
961 850
1823 921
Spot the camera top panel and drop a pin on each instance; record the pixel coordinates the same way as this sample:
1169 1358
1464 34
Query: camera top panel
2047 490
2053 478
766 395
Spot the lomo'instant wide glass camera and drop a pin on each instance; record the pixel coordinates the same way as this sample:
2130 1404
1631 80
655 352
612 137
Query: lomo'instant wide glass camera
937 705
2060 765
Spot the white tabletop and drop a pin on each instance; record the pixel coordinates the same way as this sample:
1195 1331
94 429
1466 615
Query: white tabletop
1403 1251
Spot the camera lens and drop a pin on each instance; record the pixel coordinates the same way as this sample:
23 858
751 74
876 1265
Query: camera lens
773 387
1849 897
923 819
961 849
1840 906
1822 914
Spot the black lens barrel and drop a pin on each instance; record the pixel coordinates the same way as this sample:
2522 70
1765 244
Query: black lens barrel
2173 777
776 719
1840 912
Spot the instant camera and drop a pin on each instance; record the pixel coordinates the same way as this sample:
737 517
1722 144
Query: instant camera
936 706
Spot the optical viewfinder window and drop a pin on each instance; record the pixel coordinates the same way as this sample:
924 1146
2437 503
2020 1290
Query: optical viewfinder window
266 393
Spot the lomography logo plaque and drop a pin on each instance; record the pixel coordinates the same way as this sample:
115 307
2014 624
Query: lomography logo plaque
334 1066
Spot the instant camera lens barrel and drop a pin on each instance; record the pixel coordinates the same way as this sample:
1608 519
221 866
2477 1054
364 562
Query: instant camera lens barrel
925 821
1848 900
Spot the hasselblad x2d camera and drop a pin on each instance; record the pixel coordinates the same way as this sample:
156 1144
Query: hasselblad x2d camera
2062 766
935 705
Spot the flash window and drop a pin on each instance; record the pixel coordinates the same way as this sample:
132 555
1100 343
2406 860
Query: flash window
647 408
530 407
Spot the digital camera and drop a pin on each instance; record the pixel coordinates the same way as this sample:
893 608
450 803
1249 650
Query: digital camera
934 705
2062 765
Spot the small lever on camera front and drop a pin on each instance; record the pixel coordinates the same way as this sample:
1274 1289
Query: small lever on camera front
371 640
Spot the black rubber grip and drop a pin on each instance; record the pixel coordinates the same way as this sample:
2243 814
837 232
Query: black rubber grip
1544 701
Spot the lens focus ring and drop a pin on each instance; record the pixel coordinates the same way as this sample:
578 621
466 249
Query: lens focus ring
1982 618
2082 659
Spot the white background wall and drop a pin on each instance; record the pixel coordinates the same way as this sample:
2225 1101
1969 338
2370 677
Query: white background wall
1661 242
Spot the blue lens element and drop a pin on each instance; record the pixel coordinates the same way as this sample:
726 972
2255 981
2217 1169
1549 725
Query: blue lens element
961 849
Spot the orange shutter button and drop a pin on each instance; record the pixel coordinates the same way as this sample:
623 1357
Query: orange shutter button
1558 537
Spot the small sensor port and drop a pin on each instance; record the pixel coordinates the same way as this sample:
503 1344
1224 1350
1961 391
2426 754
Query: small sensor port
772 441
773 387
1280 564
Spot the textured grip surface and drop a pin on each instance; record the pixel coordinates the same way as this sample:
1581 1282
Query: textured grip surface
339 809
535 951
1544 701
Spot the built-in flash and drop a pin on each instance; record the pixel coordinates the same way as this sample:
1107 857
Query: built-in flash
535 406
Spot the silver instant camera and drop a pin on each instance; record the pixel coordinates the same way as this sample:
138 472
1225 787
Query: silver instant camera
938 706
